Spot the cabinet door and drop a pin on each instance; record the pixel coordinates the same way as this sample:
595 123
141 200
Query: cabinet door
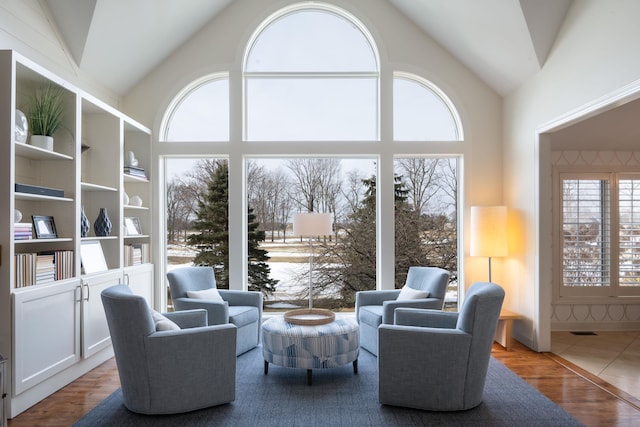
95 331
46 332
140 280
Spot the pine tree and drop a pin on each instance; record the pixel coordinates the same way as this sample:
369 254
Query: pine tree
259 270
212 239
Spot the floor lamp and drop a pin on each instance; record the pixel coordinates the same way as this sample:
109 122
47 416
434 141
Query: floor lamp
488 232
311 225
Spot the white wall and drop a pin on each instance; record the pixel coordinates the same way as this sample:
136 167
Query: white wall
25 27
594 57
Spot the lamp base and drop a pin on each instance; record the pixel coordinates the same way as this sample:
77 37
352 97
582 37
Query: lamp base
309 316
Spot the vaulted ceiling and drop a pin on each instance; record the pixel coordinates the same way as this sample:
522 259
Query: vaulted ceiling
502 41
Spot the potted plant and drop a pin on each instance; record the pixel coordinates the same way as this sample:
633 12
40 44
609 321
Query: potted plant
45 115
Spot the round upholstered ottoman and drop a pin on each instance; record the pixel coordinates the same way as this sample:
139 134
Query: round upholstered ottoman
310 346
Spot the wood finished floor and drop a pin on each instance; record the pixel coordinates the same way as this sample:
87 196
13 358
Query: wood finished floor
589 399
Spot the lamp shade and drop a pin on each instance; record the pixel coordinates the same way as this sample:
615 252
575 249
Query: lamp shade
488 231
312 224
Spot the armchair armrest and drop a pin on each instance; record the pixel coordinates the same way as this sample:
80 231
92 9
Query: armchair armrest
376 297
188 318
389 307
217 312
251 298
426 318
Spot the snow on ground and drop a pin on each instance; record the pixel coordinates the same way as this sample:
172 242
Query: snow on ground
284 272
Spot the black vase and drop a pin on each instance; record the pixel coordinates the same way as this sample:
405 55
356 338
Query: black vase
102 224
84 224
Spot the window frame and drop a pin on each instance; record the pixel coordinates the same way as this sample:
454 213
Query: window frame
591 293
283 13
384 151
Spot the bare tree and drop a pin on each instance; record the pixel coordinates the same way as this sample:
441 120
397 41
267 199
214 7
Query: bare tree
420 175
316 183
180 209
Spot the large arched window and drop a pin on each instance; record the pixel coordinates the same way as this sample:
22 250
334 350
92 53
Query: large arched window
311 74
309 138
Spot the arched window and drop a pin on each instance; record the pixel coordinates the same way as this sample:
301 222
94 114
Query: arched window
311 74
309 86
200 112
421 112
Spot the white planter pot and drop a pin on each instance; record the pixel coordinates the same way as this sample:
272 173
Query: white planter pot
42 141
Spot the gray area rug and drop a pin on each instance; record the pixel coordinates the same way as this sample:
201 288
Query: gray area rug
340 398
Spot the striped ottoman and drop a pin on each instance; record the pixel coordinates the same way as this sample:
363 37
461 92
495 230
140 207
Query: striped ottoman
310 347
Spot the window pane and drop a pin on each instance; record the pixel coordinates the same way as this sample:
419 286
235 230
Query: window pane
301 109
202 115
585 225
344 262
196 212
419 114
426 218
629 207
311 40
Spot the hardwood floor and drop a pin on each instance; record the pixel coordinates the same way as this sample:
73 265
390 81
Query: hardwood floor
588 398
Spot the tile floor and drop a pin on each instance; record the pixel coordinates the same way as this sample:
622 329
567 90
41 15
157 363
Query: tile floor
614 356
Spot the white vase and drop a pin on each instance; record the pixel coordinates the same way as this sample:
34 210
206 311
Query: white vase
42 141
131 159
135 201
125 198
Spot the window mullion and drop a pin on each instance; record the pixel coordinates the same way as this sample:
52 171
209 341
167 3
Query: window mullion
614 235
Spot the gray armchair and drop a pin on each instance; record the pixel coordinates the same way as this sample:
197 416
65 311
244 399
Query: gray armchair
438 360
242 308
170 371
374 308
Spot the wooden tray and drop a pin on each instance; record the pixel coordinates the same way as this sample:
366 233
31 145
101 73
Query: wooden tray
309 316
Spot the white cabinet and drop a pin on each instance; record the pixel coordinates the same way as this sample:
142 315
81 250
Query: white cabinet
47 332
52 323
95 332
140 279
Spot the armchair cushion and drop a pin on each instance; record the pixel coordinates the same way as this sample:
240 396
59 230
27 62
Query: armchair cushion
211 294
409 293
163 323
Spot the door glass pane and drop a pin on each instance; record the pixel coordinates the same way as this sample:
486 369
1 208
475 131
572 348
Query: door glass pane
585 225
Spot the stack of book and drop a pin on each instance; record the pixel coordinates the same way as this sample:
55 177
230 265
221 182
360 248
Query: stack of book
22 231
136 254
45 268
135 171
42 268
64 264
25 270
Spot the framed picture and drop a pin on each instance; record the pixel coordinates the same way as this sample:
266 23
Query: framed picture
132 226
44 227
92 257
